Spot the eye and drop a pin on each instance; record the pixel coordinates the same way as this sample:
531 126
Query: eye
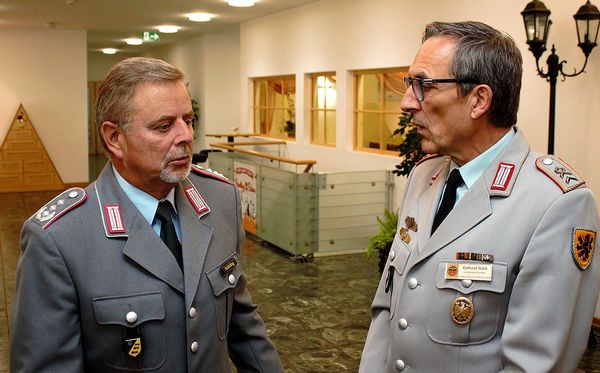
164 126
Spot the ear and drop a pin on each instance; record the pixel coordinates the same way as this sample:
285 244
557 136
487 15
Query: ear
111 133
481 100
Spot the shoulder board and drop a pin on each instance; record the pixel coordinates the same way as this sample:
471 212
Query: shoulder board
59 206
427 157
558 171
210 173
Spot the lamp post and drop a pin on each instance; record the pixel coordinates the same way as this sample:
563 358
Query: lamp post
536 18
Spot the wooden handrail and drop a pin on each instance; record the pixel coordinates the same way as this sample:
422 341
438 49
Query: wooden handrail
232 147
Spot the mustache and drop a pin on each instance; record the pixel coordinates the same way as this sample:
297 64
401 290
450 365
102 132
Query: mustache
178 153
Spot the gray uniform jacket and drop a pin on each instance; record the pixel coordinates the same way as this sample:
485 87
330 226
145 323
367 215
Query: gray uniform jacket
536 218
93 273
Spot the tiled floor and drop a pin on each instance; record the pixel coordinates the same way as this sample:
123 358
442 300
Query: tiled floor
316 313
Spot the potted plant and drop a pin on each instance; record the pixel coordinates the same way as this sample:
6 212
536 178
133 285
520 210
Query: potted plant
410 150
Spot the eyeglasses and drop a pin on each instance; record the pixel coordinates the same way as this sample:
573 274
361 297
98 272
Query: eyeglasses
417 84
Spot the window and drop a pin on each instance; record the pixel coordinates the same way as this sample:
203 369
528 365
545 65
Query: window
377 109
274 108
322 109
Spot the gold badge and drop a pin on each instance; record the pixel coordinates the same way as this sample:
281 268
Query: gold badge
451 271
462 310
411 223
136 346
404 236
584 242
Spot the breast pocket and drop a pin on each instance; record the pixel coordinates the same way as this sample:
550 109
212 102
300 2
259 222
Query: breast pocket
488 301
123 315
223 280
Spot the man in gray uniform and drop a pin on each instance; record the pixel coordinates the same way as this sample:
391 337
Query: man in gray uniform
491 269
141 270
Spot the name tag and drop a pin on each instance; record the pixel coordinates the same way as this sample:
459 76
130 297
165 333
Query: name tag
469 271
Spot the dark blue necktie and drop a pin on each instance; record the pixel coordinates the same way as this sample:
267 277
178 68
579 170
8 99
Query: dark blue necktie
167 230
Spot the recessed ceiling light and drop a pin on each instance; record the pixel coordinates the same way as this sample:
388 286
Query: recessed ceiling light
167 29
241 3
109 51
134 41
199 17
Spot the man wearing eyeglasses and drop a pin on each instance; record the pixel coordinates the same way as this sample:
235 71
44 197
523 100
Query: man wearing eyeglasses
491 269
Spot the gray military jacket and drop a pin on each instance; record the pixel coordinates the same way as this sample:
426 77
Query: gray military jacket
532 311
94 274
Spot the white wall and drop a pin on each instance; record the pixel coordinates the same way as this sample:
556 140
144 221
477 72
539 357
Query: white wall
343 35
45 70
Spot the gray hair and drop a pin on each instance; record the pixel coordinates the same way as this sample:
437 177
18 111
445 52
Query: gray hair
117 90
487 56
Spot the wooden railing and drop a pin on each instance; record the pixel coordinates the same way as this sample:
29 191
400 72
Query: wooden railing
233 146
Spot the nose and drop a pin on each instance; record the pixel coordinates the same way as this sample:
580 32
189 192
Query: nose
185 132
409 102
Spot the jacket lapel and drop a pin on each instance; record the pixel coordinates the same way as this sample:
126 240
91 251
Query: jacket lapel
143 245
196 236
428 202
475 205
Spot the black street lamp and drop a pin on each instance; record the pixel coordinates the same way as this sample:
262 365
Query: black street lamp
536 18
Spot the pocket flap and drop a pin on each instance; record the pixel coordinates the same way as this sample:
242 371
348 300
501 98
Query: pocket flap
225 276
114 309
497 285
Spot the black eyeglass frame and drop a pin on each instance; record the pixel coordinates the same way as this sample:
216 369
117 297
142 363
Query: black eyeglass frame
420 93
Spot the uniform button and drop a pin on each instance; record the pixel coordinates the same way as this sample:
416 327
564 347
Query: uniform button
547 161
403 324
412 283
131 317
231 279
193 312
73 194
392 255
194 347
466 283
400 365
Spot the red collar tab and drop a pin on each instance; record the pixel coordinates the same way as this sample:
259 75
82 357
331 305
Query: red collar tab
503 175
196 200
114 221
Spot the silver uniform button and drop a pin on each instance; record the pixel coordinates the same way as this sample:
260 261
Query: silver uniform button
131 317
547 161
194 347
193 312
466 283
392 254
412 283
231 279
403 324
400 365
73 194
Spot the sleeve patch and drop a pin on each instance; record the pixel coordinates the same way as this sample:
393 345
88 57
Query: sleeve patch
558 171
584 242
59 206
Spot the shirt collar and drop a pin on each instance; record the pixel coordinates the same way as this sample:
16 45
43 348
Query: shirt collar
144 202
472 170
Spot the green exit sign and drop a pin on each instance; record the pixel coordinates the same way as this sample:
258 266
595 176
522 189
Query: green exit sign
150 36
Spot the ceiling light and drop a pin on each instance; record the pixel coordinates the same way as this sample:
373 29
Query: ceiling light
134 41
240 3
200 17
109 51
167 29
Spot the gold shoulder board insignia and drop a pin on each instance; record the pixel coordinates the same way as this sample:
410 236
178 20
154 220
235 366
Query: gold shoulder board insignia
558 171
210 173
59 206
584 242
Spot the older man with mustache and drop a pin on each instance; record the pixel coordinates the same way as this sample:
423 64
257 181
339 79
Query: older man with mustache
140 271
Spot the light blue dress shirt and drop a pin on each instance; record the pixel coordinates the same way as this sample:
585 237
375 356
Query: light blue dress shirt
472 170
147 204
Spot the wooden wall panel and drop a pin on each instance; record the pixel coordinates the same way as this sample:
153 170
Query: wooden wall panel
24 163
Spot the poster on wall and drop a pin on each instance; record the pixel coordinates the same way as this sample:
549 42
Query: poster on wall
245 179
